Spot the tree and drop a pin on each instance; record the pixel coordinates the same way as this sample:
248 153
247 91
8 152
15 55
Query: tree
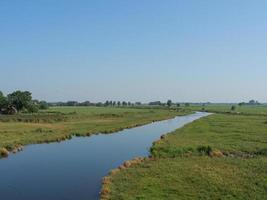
118 103
138 103
32 107
187 104
169 103
43 105
19 99
72 103
3 101
85 103
124 103
233 108
178 105
252 102
106 103
155 103
99 104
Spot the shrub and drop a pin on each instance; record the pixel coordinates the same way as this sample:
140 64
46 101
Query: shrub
262 152
233 108
114 171
4 152
207 150
216 153
170 152
43 105
32 108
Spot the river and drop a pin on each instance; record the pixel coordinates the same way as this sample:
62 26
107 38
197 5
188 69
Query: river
73 170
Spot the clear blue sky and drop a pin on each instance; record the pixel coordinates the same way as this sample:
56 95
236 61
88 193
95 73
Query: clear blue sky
133 50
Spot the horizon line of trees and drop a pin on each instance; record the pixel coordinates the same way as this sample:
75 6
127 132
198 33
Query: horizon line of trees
109 103
98 104
251 103
20 101
169 103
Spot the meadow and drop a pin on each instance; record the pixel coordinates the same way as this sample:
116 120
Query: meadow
61 123
222 156
226 108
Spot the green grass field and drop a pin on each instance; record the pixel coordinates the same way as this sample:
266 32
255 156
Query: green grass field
230 134
60 123
226 108
222 156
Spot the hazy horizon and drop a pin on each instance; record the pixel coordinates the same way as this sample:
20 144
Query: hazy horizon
186 51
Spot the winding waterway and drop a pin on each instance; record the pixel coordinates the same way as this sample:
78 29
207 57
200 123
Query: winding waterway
74 169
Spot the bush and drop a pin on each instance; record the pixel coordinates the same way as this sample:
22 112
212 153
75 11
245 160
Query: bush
43 105
3 101
207 150
216 153
262 152
32 108
233 108
170 152
4 152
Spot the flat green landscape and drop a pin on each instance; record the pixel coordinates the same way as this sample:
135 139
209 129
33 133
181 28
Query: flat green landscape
222 156
60 123
226 108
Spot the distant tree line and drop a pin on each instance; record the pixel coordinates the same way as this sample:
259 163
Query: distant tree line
169 103
251 103
98 104
19 101
109 103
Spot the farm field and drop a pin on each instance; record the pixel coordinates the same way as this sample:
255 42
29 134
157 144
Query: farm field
60 123
222 156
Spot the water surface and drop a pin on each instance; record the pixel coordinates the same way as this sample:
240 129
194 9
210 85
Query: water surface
74 169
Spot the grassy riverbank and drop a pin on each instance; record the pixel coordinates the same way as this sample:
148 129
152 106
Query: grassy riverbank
60 123
222 156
